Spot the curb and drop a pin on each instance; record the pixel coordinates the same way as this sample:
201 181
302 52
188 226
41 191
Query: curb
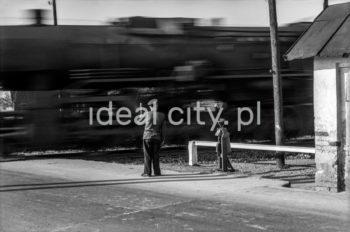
12 159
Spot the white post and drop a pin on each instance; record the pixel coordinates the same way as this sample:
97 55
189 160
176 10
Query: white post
192 153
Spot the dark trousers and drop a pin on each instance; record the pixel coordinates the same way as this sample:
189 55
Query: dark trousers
151 149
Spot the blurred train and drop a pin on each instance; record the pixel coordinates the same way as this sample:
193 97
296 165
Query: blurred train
56 73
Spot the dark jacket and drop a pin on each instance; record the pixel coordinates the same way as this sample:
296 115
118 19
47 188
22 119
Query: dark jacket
154 130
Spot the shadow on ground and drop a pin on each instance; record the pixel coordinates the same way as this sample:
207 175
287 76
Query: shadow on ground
147 180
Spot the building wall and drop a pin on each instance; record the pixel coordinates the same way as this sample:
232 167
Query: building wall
330 156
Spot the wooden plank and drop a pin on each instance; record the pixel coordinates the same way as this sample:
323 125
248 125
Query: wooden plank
314 39
261 147
340 43
321 32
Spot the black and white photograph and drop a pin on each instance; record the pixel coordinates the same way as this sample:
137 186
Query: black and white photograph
174 115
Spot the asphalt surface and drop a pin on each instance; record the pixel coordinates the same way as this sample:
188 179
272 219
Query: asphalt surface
41 203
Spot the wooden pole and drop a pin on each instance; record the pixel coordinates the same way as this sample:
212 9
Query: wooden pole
54 12
347 131
277 82
325 4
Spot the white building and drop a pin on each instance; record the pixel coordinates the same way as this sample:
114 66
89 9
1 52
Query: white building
328 41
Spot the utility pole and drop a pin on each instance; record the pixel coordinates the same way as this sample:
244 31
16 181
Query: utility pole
277 82
325 4
54 12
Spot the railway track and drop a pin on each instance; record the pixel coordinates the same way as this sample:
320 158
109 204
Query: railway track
167 154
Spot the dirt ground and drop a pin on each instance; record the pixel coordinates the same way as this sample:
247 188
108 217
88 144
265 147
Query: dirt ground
299 170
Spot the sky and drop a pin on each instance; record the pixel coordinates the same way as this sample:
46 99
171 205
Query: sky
95 12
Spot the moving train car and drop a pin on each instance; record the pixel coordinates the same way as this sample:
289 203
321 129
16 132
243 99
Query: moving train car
58 72
52 57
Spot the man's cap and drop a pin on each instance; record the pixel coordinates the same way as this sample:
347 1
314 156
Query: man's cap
221 120
152 101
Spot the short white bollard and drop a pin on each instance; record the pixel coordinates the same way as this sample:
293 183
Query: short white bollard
192 153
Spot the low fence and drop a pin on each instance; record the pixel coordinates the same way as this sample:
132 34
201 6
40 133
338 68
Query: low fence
193 153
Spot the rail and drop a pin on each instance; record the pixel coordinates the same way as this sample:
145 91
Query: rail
193 153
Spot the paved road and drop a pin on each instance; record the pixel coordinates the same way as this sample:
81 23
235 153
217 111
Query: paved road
41 203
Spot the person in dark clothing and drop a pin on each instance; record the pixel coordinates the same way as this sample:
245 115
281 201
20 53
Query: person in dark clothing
153 137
